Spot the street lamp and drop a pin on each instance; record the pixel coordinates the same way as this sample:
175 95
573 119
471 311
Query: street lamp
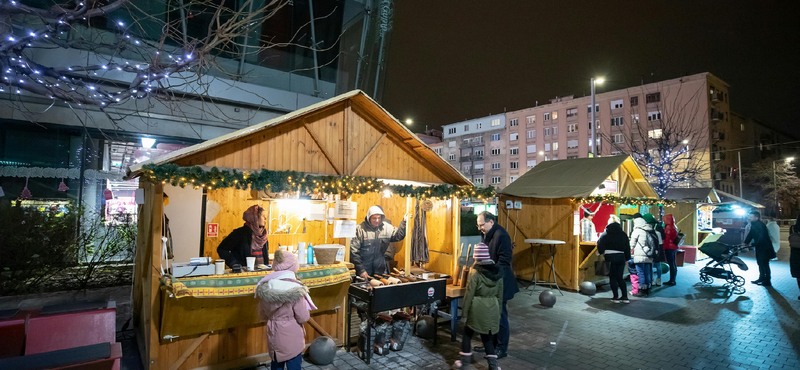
595 81
409 121
775 181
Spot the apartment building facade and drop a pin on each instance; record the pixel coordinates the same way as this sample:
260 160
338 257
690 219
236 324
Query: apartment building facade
480 149
563 128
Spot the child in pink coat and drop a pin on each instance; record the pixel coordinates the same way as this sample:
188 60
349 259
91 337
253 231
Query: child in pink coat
285 305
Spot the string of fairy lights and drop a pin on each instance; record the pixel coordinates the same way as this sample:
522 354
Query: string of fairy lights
299 183
73 84
617 200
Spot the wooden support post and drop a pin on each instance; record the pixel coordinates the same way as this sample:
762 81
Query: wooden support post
456 220
409 235
188 352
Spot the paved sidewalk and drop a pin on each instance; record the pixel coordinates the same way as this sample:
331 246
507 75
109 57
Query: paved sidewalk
688 326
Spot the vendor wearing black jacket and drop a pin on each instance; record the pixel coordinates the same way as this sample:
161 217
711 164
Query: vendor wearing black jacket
501 252
614 245
249 240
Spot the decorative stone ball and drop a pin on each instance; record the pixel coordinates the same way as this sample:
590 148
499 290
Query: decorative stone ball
425 327
322 351
664 268
588 288
547 298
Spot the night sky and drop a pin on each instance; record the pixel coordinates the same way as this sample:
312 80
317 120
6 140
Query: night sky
456 60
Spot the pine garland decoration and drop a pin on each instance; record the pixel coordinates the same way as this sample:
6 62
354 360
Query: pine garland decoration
293 181
613 199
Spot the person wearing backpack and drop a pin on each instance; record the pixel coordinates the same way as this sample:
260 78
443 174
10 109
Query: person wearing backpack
794 256
644 246
659 256
670 247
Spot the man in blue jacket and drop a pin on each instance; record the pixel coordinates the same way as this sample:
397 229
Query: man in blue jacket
500 250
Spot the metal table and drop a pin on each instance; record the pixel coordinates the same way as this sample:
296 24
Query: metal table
552 244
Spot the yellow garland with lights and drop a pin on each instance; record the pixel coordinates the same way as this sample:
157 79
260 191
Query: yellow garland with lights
616 200
294 182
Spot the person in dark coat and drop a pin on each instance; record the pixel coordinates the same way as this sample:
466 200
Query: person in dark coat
614 245
249 240
501 252
759 237
794 252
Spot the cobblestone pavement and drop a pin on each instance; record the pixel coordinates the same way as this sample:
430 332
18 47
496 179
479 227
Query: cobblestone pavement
688 326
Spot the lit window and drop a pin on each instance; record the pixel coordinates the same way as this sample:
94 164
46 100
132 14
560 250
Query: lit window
555 146
572 127
635 118
555 115
531 119
654 134
496 122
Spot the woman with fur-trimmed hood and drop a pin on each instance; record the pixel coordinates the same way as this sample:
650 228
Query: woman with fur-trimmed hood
285 304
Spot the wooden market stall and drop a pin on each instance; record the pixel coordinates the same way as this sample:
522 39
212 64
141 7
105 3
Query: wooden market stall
212 321
693 212
554 196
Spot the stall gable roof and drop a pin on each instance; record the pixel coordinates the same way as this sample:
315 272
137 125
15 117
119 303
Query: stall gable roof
730 198
699 195
577 177
378 146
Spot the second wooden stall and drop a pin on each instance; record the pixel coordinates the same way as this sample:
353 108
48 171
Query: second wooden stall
554 197
212 321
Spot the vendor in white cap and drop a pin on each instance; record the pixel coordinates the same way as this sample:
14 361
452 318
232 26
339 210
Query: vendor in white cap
370 248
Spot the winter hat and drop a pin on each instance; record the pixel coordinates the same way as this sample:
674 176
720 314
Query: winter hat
650 219
284 261
637 215
481 253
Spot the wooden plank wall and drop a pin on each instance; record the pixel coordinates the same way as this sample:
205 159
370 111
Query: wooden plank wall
542 219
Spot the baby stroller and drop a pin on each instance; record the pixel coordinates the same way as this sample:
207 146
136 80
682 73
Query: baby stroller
722 256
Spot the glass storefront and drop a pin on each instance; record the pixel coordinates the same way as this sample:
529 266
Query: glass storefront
63 166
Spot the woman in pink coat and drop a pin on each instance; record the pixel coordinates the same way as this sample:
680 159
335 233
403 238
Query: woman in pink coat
285 305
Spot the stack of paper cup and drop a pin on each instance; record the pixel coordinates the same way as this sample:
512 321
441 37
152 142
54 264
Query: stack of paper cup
251 263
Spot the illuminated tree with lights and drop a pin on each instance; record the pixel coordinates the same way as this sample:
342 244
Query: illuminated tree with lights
672 146
122 72
775 180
